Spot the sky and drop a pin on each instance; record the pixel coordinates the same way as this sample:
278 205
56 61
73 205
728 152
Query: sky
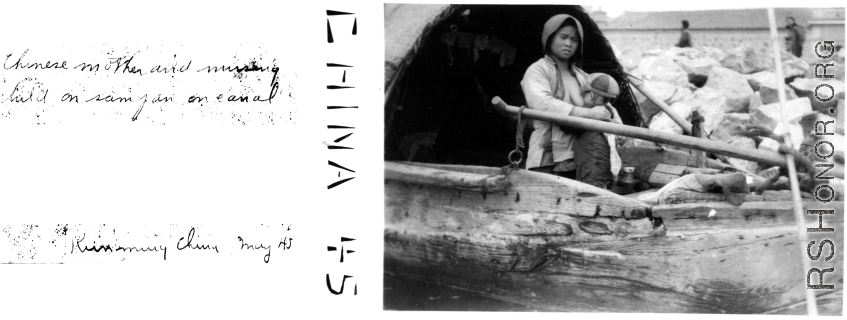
615 8
614 11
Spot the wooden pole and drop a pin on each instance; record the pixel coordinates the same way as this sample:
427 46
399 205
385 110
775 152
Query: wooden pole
697 132
444 178
762 156
811 303
757 155
686 127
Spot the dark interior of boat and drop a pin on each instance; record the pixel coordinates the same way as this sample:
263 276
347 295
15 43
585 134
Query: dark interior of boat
439 110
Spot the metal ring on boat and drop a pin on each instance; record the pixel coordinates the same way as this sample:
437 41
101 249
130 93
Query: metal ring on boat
520 158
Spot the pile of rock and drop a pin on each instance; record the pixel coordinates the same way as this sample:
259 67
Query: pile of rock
734 89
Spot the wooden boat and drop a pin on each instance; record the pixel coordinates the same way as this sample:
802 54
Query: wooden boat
560 245
548 242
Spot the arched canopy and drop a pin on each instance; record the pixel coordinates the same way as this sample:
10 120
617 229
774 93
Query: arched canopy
444 63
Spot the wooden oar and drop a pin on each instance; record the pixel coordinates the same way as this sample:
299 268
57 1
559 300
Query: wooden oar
638 84
688 128
757 155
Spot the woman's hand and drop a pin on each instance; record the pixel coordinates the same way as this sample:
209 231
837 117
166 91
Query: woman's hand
616 118
596 113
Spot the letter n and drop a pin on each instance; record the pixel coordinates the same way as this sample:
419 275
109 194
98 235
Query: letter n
828 167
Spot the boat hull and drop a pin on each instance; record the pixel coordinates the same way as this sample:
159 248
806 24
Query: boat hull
552 256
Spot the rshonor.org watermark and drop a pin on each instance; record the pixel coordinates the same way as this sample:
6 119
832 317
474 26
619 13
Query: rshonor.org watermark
825 46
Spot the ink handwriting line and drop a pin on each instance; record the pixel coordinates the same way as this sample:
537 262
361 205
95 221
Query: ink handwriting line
189 245
109 248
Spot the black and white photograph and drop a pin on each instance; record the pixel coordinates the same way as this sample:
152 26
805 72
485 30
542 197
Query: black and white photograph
620 159
363 159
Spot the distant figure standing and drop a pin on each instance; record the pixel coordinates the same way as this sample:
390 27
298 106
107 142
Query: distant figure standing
685 37
796 37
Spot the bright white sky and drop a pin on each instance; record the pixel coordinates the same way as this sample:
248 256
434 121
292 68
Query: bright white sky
615 8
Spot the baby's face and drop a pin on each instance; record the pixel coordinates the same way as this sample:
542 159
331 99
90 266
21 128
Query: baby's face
589 99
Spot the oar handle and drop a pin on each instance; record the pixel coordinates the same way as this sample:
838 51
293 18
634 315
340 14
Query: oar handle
498 103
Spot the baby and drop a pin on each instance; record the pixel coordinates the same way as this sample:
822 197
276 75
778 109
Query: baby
596 158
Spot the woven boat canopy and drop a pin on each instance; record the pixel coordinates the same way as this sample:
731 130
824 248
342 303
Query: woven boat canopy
444 63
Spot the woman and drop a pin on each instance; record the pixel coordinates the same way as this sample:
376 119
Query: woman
552 84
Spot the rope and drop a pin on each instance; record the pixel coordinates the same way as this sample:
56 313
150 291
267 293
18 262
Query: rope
519 134
518 141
